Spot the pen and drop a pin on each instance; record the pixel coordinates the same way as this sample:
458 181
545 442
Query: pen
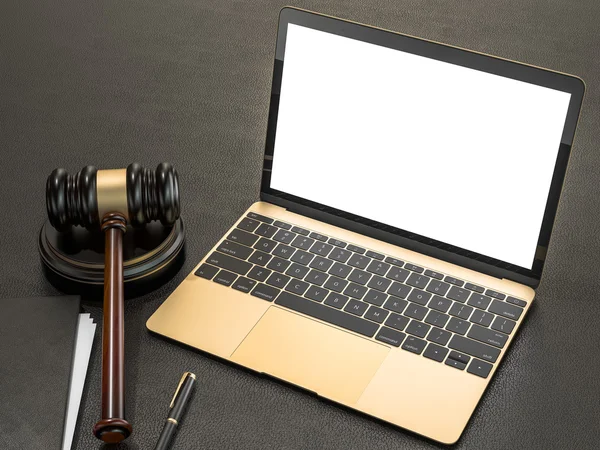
180 400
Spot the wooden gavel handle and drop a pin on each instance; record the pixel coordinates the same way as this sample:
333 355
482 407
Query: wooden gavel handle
113 427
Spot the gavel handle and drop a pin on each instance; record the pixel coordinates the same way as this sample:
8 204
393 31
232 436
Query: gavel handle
113 427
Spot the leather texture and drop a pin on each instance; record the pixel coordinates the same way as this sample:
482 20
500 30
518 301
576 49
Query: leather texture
188 81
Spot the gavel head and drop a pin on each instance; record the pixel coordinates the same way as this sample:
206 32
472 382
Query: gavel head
137 194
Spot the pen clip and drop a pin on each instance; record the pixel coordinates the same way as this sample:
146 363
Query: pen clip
185 375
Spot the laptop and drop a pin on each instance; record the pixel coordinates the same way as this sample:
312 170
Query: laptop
407 200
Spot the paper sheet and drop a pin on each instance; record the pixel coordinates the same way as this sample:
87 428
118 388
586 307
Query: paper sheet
83 347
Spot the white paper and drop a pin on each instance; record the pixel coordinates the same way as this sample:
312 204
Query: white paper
83 347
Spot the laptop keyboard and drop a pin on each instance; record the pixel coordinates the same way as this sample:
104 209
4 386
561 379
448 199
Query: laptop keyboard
442 318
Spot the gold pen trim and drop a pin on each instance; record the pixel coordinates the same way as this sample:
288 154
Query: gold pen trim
185 375
170 419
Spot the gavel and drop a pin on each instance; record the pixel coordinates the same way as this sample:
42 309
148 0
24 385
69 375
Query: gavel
109 200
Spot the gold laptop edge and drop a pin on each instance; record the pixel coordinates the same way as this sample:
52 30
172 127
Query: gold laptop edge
396 386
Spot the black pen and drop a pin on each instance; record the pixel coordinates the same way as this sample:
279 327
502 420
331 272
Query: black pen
180 400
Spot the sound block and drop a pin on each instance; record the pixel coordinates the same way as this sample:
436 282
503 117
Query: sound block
74 260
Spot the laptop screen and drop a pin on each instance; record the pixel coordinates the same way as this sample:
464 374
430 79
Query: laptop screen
447 152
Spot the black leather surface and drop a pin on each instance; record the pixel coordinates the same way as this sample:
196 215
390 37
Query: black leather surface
110 82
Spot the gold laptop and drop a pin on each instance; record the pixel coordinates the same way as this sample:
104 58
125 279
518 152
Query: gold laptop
407 199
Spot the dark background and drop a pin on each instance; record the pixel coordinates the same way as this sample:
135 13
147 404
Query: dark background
111 82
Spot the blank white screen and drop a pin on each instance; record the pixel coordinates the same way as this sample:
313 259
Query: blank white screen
450 153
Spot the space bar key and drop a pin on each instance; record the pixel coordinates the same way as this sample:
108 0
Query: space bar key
327 314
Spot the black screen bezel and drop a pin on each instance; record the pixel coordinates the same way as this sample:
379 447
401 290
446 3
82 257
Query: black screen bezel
440 52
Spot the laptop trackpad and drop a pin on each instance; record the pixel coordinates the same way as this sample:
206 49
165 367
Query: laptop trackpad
312 355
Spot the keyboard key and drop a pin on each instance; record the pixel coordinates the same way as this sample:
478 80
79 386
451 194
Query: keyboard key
316 277
479 301
284 236
355 307
474 287
391 337
419 296
266 245
381 284
376 314
437 318
206 271
327 314
459 357
233 249
318 236
336 300
458 294
506 310
399 290
359 276
285 226
337 243
460 311
303 242
397 321
320 263
439 336
316 293
474 348
375 297
259 273
432 274
517 301
482 318
229 263
479 368
256 216
395 304
278 280
266 230
414 345
359 261
259 258
495 294
225 277
418 328
300 231
415 311
487 336
435 352
339 255
418 281
438 287
283 251
394 262
454 281
414 268
302 257
265 292
456 364
340 270
297 271
503 325
248 224
355 249
440 304
320 248
378 267
297 287
355 291
241 237
336 284
398 274
457 325
375 255
244 284
278 264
